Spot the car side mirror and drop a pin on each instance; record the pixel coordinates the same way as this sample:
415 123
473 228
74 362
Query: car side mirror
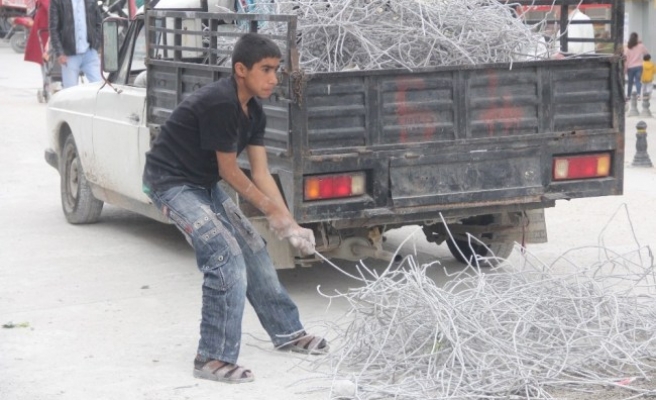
110 46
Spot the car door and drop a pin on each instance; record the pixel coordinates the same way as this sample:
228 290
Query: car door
119 123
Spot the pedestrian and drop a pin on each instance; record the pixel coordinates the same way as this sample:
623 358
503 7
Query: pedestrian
196 148
633 54
75 27
647 78
35 48
582 30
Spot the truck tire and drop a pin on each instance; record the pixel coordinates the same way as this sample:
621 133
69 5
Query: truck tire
463 251
78 203
501 250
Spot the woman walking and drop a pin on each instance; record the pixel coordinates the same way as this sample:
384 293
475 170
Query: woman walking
633 54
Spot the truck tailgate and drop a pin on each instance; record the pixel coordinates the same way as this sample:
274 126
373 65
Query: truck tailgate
453 136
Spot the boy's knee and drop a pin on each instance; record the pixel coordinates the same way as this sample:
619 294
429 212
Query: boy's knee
224 272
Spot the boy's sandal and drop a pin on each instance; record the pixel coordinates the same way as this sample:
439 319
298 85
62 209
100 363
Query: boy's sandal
220 371
307 344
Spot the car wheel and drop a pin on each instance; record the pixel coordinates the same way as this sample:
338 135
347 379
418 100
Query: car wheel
18 41
78 203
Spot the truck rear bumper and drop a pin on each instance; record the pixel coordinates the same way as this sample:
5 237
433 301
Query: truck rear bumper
52 159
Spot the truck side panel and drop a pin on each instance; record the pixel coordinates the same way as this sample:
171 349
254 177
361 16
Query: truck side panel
456 105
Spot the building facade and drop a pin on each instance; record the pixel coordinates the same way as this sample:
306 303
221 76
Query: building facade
640 17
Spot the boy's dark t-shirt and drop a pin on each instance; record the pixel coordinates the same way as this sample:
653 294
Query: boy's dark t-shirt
209 120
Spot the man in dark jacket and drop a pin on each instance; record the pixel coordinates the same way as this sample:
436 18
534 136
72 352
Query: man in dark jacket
75 37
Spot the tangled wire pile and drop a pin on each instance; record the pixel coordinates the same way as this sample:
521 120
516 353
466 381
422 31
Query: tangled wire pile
337 35
514 334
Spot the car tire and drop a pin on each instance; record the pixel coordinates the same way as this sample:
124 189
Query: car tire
78 203
18 41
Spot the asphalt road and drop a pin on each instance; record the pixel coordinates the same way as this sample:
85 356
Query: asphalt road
111 310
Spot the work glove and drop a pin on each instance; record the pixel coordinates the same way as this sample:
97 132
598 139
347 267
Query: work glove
284 227
281 224
303 240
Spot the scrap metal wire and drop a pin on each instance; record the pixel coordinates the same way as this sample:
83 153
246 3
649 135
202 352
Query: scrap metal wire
523 331
338 35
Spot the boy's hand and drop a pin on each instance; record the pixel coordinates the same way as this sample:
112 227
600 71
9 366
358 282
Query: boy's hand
303 240
281 224
284 227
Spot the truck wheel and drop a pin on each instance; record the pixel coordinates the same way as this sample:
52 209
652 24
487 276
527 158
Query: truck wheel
501 250
463 251
18 41
78 203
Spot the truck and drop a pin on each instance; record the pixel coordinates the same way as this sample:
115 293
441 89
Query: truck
472 154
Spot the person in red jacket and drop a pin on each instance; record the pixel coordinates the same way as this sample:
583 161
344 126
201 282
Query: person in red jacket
34 52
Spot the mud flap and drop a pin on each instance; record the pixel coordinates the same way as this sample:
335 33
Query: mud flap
533 228
536 231
281 252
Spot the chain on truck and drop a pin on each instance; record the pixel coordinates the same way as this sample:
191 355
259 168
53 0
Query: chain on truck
475 150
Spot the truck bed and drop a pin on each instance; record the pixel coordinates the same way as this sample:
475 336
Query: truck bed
457 140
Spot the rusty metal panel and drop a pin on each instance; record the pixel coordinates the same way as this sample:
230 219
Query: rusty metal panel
169 85
582 98
454 178
503 102
416 108
336 112
162 93
277 129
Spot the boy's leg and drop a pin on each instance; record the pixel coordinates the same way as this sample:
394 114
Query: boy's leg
275 309
219 257
647 88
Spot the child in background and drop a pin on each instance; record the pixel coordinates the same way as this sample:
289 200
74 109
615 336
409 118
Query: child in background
647 77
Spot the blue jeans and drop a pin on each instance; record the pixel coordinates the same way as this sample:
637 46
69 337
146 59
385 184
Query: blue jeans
635 75
89 63
236 265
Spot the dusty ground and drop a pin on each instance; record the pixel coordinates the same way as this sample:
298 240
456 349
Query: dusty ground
110 311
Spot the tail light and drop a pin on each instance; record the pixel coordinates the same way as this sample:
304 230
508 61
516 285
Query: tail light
321 187
581 166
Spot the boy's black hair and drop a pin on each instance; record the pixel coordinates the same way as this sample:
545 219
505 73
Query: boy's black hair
646 57
253 48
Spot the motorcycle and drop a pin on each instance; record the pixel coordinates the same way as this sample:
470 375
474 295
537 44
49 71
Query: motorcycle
19 32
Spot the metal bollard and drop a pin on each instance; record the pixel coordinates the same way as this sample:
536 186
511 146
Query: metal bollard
645 107
633 110
641 158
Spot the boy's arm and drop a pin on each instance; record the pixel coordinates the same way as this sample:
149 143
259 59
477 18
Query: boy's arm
263 193
231 173
262 176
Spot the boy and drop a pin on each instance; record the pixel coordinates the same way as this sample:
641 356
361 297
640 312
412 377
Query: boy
197 146
647 77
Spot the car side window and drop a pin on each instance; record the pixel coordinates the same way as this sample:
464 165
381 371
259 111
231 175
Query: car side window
134 62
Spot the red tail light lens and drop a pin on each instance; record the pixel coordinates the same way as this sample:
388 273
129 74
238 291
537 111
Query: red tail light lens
581 166
323 187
